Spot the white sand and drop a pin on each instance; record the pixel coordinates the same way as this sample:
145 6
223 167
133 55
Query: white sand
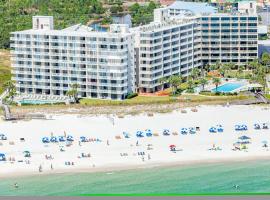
195 147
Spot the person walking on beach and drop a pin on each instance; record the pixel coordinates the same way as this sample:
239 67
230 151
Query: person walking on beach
137 143
51 166
108 142
149 157
40 168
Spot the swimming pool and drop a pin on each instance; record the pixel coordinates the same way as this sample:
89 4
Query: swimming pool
228 87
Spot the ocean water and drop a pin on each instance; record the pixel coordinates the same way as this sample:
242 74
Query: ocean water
251 177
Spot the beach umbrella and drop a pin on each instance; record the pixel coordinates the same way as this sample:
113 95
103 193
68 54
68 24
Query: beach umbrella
264 142
172 146
244 138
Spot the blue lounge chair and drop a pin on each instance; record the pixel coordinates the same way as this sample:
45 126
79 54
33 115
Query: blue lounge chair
192 130
139 134
2 157
212 130
184 131
257 126
83 139
45 140
3 137
61 139
53 139
70 138
148 133
166 132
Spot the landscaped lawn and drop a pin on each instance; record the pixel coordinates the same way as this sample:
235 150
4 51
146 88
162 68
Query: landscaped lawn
161 100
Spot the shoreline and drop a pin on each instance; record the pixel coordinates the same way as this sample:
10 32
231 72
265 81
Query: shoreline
121 168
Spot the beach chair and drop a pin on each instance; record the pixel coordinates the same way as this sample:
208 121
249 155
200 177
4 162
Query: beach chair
117 137
174 133
155 134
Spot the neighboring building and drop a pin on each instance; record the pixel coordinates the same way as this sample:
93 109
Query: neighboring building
47 61
263 47
190 8
262 31
247 7
229 38
175 44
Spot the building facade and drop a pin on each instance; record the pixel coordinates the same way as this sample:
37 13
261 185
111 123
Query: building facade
229 38
47 61
166 49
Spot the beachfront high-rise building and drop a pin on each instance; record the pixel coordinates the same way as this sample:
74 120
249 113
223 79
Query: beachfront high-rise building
48 61
229 38
122 60
165 49
175 43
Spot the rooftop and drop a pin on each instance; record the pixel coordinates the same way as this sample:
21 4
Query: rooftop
194 7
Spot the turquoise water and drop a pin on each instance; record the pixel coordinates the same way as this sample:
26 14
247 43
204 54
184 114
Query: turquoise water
252 177
35 102
228 87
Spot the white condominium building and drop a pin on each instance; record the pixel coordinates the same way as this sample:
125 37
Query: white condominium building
48 61
165 49
229 38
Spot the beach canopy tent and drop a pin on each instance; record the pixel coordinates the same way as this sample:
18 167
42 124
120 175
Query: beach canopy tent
148 133
27 154
3 137
2 157
61 139
166 132
242 127
139 134
70 138
45 140
53 139
244 138
83 139
184 130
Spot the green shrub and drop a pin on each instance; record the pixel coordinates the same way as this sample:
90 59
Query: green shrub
132 95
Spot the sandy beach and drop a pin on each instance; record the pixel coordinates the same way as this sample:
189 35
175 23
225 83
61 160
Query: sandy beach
108 149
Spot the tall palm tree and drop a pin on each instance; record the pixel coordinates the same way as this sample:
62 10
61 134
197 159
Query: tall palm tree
11 88
203 82
216 81
175 81
73 92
